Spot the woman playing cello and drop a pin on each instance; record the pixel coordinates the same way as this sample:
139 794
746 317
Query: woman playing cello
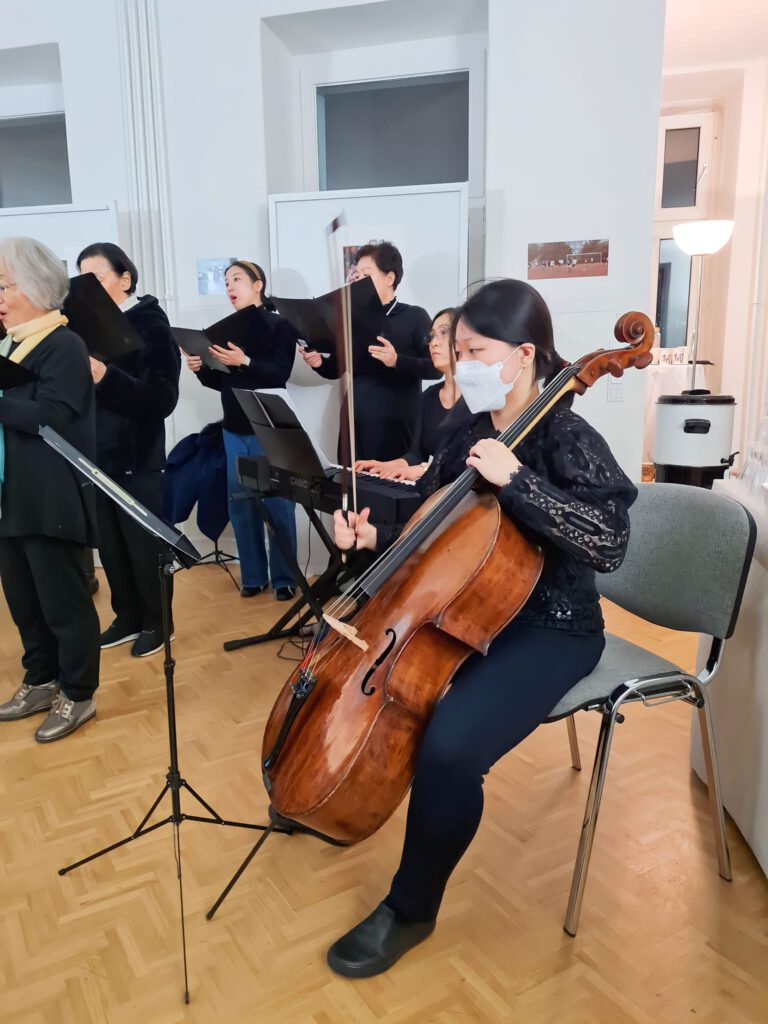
563 488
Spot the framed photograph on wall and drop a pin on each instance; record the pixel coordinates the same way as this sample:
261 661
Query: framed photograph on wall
210 275
584 257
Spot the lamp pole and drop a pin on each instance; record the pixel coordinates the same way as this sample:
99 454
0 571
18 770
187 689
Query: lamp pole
695 332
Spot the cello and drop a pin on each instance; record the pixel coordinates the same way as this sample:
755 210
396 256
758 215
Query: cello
341 741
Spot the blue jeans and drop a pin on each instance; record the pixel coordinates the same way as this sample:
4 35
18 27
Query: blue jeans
249 528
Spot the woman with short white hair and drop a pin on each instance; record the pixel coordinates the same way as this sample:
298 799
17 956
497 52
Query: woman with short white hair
46 514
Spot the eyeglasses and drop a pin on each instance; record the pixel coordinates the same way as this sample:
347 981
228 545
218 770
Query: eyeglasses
441 332
4 287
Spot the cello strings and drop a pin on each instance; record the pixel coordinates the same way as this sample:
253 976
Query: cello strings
510 436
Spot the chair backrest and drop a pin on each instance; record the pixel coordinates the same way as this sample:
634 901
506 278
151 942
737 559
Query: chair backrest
687 561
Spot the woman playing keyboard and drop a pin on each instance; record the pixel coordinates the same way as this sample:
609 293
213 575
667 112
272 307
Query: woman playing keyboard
436 404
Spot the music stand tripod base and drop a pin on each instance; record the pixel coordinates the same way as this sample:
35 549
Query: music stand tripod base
174 547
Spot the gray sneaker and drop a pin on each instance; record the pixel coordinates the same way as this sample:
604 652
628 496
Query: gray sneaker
28 700
64 717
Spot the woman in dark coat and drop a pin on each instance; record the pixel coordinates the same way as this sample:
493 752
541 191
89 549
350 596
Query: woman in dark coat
46 508
134 395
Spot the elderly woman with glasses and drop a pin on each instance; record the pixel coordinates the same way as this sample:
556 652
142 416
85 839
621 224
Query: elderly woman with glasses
46 514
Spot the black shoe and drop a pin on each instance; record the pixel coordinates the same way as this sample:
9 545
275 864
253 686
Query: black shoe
377 943
149 641
251 591
116 634
285 593
292 826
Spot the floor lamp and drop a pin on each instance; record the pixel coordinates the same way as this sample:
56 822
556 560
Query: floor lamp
701 238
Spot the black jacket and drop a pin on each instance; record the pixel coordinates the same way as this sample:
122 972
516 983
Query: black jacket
570 496
433 422
266 370
406 327
136 394
387 398
42 494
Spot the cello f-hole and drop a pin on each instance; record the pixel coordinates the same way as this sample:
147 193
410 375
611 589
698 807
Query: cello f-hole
364 685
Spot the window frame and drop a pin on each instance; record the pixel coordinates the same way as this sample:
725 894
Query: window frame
704 120
402 79
661 233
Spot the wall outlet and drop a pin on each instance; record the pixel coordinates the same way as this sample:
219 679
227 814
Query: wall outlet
615 390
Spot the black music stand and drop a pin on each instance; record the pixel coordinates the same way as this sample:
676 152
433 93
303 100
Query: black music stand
220 558
288 447
173 548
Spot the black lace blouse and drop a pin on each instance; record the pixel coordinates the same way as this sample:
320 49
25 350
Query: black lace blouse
570 496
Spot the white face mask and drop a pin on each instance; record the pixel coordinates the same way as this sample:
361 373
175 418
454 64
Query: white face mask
481 385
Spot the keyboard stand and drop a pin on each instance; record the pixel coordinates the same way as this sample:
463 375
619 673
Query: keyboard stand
313 595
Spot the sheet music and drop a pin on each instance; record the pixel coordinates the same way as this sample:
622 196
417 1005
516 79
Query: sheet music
282 393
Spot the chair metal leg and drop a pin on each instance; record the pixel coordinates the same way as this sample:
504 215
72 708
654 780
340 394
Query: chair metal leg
573 741
713 787
592 809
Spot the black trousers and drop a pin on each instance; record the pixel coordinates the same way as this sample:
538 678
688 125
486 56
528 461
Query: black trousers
494 702
130 555
50 601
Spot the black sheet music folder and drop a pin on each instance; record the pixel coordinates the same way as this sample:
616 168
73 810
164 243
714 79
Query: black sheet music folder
13 375
315 319
245 328
197 343
105 329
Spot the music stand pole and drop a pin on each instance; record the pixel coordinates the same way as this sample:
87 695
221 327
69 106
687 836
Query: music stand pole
174 548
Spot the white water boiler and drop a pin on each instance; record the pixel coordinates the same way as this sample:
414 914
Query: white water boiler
693 437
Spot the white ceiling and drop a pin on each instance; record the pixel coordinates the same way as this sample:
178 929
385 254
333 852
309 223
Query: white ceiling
383 21
715 32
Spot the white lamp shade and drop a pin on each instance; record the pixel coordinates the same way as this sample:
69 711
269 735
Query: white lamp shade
702 237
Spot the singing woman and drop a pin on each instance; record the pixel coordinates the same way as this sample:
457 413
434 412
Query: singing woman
259 566
135 394
561 486
47 516
388 376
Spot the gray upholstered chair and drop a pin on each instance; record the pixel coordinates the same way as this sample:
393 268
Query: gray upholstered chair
686 567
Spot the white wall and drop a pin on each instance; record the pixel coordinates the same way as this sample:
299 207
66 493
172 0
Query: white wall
30 81
216 162
572 155
742 339
87 35
290 83
564 159
733 293
757 398
281 93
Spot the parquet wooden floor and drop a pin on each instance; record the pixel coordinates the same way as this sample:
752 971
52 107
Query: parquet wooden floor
662 940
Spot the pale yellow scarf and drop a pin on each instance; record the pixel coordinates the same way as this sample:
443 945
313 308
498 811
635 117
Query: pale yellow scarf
29 335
